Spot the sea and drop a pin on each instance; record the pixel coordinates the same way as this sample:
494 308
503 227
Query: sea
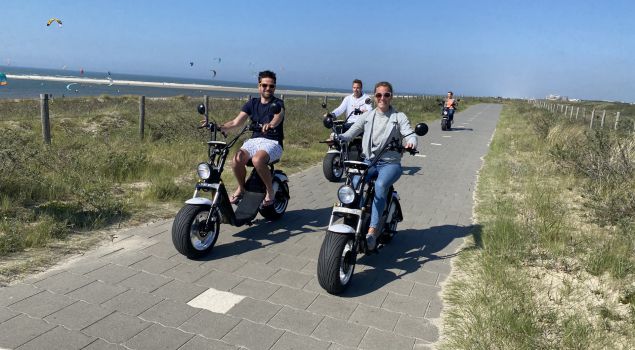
26 89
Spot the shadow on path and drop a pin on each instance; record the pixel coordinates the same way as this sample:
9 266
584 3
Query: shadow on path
408 253
293 223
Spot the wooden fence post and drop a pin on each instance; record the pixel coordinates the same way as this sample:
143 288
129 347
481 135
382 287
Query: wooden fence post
617 120
142 115
44 115
576 112
592 116
206 103
282 97
306 99
602 122
325 100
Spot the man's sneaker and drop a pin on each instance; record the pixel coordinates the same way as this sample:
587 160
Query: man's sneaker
371 241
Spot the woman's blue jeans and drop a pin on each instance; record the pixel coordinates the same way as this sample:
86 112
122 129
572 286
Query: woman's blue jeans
386 175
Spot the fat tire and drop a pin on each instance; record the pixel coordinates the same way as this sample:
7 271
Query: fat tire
277 210
181 231
329 262
328 167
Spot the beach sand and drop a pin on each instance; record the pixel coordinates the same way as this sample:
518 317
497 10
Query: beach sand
171 85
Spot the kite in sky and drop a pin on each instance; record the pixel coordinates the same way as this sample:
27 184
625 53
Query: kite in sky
50 21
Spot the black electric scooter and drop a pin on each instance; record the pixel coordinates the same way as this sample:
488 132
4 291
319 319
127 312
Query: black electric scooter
197 225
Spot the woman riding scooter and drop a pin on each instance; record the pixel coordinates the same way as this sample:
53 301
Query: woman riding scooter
380 126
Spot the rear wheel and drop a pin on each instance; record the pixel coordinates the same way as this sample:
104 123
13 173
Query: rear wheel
332 167
336 262
190 235
280 203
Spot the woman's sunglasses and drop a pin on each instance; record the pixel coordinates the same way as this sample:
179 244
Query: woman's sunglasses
386 95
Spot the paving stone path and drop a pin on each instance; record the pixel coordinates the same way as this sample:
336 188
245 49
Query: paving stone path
137 292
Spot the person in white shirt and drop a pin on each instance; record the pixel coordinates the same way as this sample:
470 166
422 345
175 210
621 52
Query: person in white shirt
354 105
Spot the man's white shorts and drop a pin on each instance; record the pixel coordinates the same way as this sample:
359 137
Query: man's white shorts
254 145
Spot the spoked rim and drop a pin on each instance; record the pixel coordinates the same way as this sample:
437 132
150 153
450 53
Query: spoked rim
280 201
201 239
346 268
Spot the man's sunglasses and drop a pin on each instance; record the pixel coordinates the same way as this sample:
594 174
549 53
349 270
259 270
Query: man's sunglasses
386 95
264 86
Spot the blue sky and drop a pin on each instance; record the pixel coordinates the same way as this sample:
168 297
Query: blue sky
581 49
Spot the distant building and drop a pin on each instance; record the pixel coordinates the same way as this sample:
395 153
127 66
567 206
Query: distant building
552 97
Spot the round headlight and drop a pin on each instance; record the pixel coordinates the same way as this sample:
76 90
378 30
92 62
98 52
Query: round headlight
203 171
346 194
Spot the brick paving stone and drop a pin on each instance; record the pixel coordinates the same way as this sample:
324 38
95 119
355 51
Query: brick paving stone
290 341
335 346
296 298
396 285
116 327
200 343
161 250
180 291
64 282
339 331
297 321
78 315
420 328
294 263
58 338
405 304
255 289
20 329
254 310
14 293
210 324
42 304
380 340
421 345
333 307
256 271
253 336
157 337
259 256
226 264
425 292
6 314
125 257
219 280
97 292
100 344
86 265
434 309
111 273
132 302
154 265
375 317
186 272
169 313
145 282
290 278
422 276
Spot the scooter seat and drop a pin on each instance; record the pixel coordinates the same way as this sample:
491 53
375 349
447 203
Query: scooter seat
249 163
355 164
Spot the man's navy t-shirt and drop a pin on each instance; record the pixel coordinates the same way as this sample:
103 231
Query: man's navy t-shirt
263 114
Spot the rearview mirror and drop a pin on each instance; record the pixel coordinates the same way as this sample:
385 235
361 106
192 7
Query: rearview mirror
323 104
421 129
367 101
201 109
276 108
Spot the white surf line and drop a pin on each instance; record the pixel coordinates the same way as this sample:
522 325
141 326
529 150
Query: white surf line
435 144
167 85
216 300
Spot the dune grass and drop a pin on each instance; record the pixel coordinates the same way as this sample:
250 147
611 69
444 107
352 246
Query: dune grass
97 172
553 265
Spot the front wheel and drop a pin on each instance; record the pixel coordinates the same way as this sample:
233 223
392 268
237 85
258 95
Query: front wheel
190 235
336 262
332 167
